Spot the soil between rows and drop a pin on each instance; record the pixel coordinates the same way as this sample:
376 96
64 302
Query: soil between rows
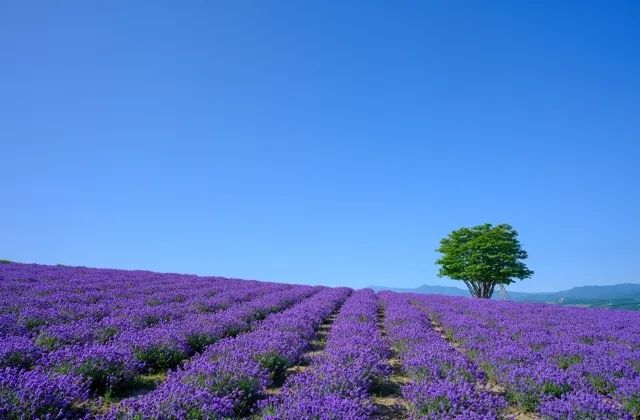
388 401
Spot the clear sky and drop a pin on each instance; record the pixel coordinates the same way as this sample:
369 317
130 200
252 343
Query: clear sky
319 142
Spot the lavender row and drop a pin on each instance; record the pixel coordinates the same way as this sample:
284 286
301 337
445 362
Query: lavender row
134 320
37 395
166 346
548 382
337 383
156 349
169 337
599 346
229 376
44 285
66 377
444 383
106 351
32 312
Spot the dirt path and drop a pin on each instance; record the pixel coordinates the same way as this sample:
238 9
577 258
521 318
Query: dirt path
316 347
387 396
142 385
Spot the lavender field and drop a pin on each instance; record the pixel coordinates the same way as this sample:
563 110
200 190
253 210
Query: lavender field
113 344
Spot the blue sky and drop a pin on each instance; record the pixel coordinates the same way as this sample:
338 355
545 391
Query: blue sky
320 142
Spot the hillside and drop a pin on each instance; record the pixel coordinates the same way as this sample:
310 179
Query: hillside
140 344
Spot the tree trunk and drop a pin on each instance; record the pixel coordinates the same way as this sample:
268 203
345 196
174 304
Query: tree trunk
480 289
485 290
473 288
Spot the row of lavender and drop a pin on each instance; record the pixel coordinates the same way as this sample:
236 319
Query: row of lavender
64 376
226 379
54 359
559 362
336 384
45 322
35 299
160 346
444 383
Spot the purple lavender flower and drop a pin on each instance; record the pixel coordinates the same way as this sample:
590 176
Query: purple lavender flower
159 348
450 400
231 338
444 382
36 394
18 352
336 385
105 367
581 405
174 400
308 396
628 393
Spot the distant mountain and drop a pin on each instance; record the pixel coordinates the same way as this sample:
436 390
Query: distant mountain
616 291
624 291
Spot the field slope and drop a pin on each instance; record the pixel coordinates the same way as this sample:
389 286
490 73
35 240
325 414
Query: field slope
106 344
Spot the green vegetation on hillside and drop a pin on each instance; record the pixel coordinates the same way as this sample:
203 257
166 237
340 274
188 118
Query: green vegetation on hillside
633 304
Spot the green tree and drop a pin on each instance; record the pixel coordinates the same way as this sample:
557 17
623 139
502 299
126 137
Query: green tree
483 257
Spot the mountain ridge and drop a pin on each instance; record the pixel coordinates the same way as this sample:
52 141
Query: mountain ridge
590 292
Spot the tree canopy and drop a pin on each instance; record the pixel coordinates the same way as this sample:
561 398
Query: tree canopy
483 257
